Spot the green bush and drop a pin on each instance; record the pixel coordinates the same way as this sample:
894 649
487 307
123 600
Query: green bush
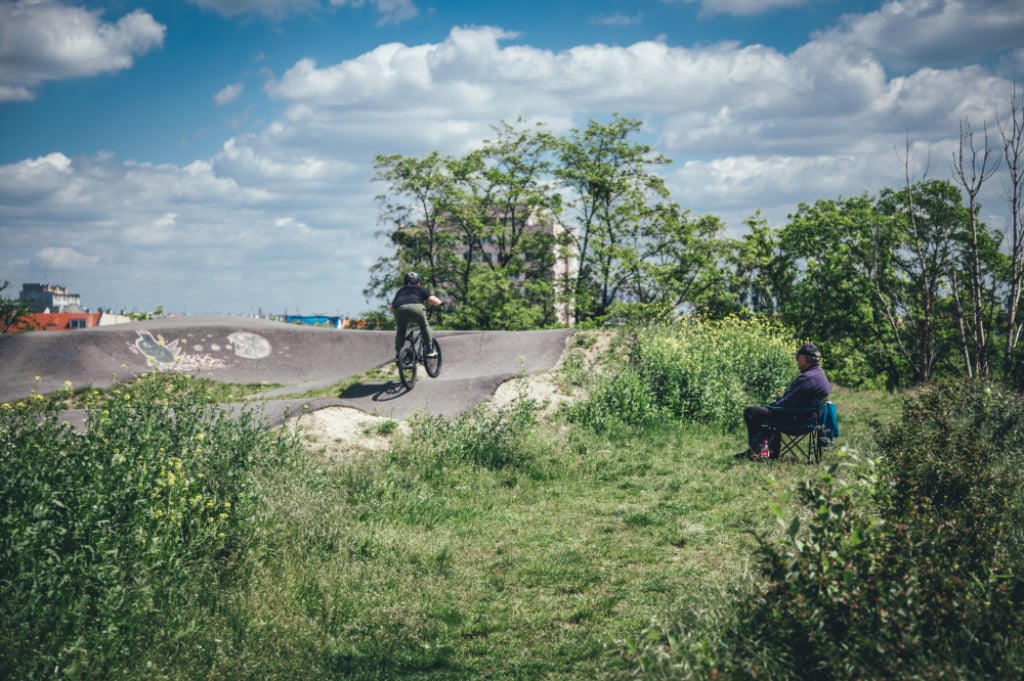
930 584
612 400
955 458
700 371
106 537
495 439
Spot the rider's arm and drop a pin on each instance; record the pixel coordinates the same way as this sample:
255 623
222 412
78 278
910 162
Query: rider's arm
434 300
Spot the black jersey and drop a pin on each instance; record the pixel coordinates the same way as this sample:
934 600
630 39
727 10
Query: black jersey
410 294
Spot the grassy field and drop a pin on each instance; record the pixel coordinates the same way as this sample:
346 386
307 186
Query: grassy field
497 545
416 564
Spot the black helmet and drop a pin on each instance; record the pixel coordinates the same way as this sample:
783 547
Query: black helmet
413 279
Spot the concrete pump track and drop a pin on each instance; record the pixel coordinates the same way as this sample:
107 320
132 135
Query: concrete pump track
297 358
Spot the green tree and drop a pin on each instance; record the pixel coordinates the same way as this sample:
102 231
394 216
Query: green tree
677 263
613 190
503 212
416 207
760 276
493 208
14 314
494 301
840 252
1011 131
931 220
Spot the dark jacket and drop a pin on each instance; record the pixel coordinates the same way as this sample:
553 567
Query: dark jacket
408 295
809 387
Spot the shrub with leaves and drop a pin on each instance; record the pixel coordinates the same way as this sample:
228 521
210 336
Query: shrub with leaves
930 584
495 439
612 400
700 371
954 459
105 535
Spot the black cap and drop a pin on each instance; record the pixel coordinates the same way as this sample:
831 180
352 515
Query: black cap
810 350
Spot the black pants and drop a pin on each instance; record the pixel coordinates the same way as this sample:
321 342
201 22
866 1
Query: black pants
755 418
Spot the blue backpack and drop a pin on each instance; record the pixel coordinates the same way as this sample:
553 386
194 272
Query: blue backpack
830 422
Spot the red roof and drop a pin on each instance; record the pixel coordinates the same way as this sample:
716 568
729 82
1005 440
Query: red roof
58 321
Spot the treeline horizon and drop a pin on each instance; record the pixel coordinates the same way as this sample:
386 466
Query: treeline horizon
897 287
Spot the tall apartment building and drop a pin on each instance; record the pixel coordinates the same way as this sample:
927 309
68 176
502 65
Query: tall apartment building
49 298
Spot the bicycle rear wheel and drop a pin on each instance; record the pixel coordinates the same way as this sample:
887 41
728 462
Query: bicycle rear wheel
407 366
433 364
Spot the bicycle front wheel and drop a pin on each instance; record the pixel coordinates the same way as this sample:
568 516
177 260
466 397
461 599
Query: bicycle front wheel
407 366
433 363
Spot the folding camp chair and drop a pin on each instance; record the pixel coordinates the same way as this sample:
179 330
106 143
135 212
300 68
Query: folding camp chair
803 433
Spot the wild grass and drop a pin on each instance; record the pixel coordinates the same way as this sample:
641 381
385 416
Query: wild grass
497 545
532 564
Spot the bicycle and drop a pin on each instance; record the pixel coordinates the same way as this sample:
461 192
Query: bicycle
412 354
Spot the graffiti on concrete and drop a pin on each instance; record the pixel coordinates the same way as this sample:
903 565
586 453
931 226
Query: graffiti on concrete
162 355
178 355
249 345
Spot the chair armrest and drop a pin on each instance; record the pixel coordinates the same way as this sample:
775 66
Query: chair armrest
792 410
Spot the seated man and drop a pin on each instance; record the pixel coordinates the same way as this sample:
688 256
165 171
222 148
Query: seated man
806 390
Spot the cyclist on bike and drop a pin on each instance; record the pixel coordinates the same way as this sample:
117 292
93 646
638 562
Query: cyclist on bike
408 306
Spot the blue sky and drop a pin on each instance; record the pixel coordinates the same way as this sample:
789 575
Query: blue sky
215 156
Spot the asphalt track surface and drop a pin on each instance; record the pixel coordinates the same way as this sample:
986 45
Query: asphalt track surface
297 358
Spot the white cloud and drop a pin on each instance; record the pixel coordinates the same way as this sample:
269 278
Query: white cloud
616 19
390 11
228 94
43 40
15 94
908 34
269 8
717 99
138 230
160 230
748 126
68 259
740 7
287 213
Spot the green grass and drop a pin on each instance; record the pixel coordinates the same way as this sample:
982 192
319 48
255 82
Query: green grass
492 546
217 392
410 566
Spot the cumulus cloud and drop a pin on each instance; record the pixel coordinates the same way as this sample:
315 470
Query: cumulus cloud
722 98
389 11
140 229
289 208
740 7
825 119
228 94
42 40
908 34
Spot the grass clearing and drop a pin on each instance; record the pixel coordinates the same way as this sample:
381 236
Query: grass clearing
413 567
499 545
